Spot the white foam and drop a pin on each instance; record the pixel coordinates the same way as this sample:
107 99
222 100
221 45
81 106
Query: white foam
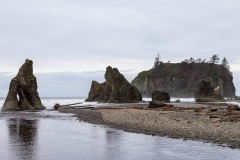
174 99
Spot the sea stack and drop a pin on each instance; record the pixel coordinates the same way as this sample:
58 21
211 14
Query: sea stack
181 79
160 95
23 94
116 89
207 93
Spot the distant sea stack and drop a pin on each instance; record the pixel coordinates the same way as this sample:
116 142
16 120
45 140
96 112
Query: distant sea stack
116 89
23 94
181 79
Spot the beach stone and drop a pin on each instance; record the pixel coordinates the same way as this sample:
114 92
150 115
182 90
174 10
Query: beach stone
207 93
116 89
177 101
160 95
56 106
24 86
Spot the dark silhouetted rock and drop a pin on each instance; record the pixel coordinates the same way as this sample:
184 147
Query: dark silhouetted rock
25 86
156 104
178 101
206 92
116 89
56 106
160 95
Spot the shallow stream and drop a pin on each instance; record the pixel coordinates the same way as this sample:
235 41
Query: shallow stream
49 135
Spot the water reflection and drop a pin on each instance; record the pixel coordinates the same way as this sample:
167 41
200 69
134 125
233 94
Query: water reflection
112 148
62 139
23 137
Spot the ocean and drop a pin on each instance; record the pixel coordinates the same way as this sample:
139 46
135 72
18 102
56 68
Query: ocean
54 135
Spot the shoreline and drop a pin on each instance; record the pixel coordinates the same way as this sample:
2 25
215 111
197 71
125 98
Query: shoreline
184 123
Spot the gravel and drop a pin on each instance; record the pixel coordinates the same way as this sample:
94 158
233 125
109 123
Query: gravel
175 124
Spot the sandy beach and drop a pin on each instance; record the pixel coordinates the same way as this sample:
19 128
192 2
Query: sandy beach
212 124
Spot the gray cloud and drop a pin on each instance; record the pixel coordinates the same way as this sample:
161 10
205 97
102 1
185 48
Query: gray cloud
78 36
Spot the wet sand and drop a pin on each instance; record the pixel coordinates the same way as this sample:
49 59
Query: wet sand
200 122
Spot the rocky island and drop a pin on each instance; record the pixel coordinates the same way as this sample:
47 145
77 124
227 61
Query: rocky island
181 79
23 94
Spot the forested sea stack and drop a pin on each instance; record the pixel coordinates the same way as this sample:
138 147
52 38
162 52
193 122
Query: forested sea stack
181 79
116 89
23 85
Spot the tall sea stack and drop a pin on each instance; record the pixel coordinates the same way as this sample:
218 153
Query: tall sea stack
23 94
116 89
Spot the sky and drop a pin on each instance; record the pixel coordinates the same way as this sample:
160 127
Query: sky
71 42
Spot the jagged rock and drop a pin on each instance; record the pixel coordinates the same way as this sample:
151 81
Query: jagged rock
25 86
156 104
160 95
206 93
116 89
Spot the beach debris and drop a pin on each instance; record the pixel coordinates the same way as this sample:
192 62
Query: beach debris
237 98
213 110
234 107
56 106
116 89
160 95
23 94
213 116
198 109
156 104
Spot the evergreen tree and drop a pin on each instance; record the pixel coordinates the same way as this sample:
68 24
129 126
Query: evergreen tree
214 59
191 60
225 63
157 61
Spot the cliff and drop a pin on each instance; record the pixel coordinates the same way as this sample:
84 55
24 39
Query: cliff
181 79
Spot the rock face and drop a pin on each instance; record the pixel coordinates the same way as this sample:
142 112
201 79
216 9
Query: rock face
160 95
206 92
24 86
116 89
181 79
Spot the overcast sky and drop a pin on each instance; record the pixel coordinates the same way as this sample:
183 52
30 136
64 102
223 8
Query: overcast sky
71 42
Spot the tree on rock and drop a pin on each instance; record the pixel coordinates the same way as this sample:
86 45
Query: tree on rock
225 63
157 61
214 59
